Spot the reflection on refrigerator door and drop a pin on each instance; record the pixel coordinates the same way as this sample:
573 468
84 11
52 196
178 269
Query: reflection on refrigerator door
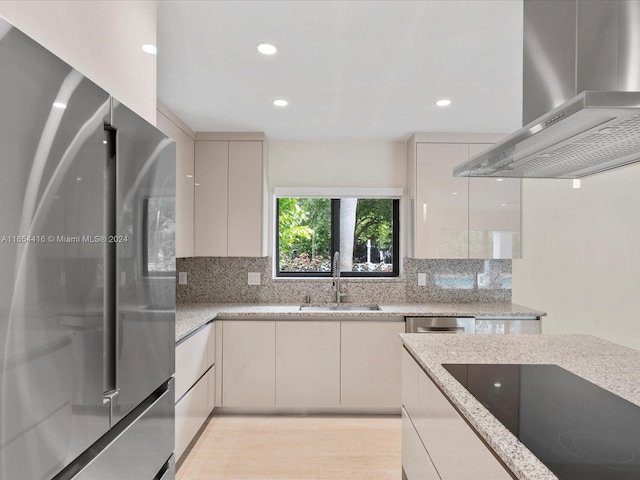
84 369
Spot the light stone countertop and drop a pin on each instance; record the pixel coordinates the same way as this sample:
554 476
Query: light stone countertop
190 317
608 365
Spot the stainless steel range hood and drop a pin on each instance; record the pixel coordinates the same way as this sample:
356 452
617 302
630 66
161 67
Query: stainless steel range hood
592 132
573 46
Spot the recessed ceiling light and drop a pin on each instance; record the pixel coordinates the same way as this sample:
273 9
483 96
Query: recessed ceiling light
503 204
280 102
150 49
60 105
267 48
189 176
455 193
499 179
443 103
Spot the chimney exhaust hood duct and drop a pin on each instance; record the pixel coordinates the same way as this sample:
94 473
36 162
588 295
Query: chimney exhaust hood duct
581 96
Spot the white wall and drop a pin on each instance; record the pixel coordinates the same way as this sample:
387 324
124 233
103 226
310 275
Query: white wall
346 163
581 255
100 38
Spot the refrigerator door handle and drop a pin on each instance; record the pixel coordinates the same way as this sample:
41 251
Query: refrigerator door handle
111 327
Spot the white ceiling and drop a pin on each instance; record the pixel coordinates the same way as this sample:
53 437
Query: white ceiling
358 69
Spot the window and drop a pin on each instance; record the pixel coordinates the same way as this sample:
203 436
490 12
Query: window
364 230
158 225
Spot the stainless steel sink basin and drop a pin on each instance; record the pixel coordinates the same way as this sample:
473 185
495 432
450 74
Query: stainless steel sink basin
339 307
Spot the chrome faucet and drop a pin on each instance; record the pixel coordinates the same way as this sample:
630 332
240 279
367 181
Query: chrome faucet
336 276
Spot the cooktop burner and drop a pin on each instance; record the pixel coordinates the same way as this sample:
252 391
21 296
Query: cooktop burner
577 429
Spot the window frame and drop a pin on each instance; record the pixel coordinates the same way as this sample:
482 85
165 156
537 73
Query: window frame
335 241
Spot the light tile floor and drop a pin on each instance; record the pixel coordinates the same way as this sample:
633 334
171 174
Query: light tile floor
234 447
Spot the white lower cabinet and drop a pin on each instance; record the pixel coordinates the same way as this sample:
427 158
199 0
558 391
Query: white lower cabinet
307 364
191 412
195 385
315 365
371 365
211 386
416 464
453 447
249 363
410 373
192 359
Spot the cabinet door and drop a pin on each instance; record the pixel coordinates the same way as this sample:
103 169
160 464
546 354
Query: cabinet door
211 385
441 206
248 363
307 364
191 360
184 184
245 199
371 364
494 215
211 173
211 345
217 326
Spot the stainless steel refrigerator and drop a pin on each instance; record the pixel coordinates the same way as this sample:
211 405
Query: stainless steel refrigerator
87 261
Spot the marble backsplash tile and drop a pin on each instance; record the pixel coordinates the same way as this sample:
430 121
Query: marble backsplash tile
224 280
458 280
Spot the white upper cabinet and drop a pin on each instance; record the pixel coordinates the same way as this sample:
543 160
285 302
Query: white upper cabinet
494 215
458 217
212 167
230 198
173 127
442 201
245 208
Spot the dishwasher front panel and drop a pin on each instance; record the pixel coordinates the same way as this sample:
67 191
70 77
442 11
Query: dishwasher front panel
441 325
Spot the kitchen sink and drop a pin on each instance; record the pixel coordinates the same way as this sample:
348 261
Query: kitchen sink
340 307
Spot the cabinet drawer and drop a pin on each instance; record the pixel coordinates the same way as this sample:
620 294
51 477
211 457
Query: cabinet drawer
191 412
453 446
416 463
410 372
191 360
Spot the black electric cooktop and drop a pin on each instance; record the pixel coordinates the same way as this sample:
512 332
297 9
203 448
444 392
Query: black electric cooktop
577 429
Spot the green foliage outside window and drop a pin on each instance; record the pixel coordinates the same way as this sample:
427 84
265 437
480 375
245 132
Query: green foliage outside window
305 235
